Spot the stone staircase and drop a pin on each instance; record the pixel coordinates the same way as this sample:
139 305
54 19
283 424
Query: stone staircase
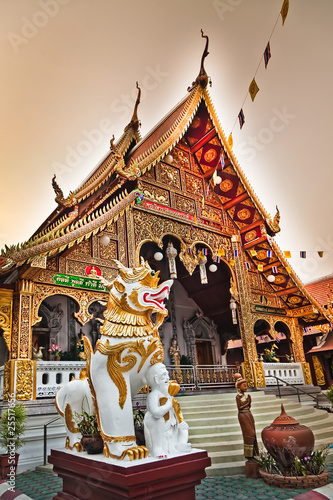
213 425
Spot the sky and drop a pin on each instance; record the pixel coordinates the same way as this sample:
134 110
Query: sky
69 69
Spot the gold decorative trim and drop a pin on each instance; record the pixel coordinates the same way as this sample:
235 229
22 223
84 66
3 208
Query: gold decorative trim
76 446
115 361
320 377
69 419
135 453
307 374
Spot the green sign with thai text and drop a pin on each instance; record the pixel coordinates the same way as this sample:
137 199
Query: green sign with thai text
270 310
77 282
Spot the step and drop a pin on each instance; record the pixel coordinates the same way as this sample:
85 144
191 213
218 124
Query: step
213 425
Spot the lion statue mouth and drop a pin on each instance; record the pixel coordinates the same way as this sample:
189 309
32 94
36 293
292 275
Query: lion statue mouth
156 299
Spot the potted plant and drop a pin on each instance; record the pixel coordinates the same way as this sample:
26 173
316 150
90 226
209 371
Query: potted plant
56 351
307 472
12 427
91 439
138 416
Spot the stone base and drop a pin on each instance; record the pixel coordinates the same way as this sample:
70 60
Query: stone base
99 478
252 469
295 482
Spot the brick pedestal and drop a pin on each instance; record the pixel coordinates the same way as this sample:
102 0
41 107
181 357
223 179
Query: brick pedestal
147 479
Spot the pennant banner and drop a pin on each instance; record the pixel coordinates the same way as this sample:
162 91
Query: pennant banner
267 54
241 118
253 89
284 10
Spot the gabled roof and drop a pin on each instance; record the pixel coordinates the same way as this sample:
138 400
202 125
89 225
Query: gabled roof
321 289
190 130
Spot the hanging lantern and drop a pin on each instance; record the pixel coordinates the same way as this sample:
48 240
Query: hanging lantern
218 179
233 307
202 269
171 253
213 268
104 240
271 278
158 256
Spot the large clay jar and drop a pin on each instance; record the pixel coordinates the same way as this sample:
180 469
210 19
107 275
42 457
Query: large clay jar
286 439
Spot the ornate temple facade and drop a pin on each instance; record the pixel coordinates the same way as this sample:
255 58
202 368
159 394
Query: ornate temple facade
179 199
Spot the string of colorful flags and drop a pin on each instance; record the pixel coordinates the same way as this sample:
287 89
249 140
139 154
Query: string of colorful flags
254 88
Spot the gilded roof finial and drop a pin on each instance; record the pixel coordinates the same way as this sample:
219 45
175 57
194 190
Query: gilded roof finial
202 79
273 226
204 55
134 120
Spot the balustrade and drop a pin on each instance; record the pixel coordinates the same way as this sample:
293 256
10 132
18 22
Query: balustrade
290 372
51 375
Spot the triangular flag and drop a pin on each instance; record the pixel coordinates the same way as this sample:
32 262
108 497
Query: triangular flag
267 54
230 141
284 10
253 89
253 252
260 267
302 255
241 118
320 253
222 161
288 269
221 251
231 262
287 254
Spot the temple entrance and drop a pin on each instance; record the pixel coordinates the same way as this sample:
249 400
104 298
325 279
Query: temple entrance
199 305
204 353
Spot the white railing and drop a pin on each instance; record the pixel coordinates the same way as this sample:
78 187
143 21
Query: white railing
51 375
290 372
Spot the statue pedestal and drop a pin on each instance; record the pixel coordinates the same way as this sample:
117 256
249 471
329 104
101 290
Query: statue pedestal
99 478
252 469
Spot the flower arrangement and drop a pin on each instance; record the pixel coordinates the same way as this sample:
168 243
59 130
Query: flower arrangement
86 423
312 465
270 354
138 415
55 349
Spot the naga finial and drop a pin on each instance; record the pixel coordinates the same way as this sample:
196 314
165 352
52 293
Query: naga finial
135 120
272 226
66 202
204 55
202 79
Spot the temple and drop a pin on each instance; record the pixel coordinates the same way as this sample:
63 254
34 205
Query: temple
179 199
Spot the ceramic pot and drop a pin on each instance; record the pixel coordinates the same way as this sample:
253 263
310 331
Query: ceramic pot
92 444
286 439
57 358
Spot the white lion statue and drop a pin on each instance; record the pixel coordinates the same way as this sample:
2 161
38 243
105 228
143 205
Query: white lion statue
119 366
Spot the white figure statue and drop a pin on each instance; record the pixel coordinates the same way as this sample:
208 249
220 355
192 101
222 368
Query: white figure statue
166 433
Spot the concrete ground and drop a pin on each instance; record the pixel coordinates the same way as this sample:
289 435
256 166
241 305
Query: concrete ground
42 484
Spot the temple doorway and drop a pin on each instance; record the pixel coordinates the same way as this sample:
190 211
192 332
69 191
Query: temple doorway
204 353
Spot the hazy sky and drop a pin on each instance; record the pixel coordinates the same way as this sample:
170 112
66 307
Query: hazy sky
69 69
